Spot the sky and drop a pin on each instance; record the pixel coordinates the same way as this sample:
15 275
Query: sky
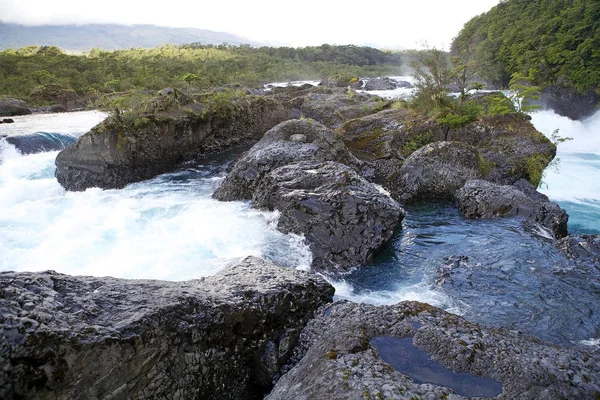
384 23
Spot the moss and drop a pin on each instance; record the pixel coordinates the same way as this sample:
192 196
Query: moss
535 166
416 142
332 354
485 166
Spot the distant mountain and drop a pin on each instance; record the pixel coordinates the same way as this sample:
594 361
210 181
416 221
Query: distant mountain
110 37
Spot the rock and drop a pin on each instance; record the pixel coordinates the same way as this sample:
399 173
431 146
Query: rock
404 84
8 121
12 107
380 84
331 106
63 99
437 170
288 142
131 148
349 352
219 337
345 219
482 199
342 81
510 146
583 248
569 102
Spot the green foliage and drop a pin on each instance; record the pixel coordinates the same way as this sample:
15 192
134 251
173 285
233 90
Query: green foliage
535 166
432 75
524 93
550 41
416 142
198 66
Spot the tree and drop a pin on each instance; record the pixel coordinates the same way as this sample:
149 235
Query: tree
524 93
432 75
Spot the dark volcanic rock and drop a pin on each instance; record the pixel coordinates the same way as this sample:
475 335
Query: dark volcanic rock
330 106
341 81
583 248
569 102
342 360
288 142
482 199
11 107
221 337
118 152
345 219
437 170
380 84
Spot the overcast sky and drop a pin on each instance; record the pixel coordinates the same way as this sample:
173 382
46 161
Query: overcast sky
310 22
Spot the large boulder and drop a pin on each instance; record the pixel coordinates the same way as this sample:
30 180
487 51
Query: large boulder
221 337
130 148
482 199
331 106
290 141
345 219
437 170
413 350
10 107
581 248
511 148
380 84
570 102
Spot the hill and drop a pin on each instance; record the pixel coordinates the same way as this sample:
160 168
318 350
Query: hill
109 37
556 43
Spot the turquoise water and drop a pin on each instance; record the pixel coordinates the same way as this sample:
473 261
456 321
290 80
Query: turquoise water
575 182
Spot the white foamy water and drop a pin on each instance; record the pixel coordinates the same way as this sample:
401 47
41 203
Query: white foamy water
399 93
574 183
165 228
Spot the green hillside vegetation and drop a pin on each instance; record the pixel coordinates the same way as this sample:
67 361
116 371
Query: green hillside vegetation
548 41
28 70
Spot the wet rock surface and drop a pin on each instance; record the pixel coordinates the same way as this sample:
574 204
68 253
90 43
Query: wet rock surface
224 336
482 199
288 142
437 170
10 107
116 153
345 219
581 248
301 169
336 358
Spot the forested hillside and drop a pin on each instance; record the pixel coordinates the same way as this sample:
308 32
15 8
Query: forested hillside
109 36
549 41
25 71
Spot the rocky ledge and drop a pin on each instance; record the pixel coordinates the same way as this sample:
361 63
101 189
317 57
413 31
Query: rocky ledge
301 169
222 337
413 350
481 199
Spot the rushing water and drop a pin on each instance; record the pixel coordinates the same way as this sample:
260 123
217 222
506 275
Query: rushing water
496 272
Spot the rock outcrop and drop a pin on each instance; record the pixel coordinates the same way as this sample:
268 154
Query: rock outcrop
222 337
482 199
130 148
352 351
301 169
581 248
380 84
437 170
10 107
288 142
331 106
569 102
510 147
345 219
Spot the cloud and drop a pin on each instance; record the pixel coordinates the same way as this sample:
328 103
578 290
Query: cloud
308 23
